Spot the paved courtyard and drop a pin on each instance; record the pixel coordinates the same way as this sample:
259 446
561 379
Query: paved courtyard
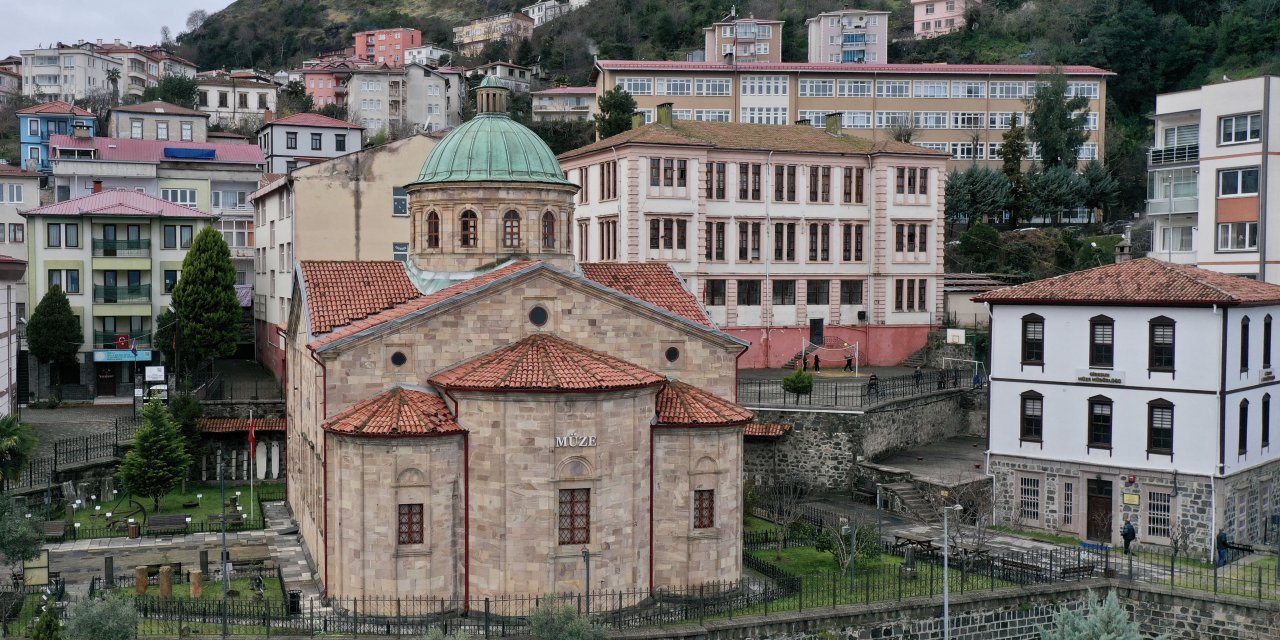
71 421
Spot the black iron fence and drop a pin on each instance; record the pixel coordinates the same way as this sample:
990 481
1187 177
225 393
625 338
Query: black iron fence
72 452
852 394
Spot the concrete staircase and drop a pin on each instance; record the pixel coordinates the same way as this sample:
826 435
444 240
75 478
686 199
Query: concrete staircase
915 360
913 503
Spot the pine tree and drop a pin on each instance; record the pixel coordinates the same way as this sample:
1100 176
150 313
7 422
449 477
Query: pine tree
1103 619
54 333
1013 150
205 299
159 460
48 627
1056 123
616 107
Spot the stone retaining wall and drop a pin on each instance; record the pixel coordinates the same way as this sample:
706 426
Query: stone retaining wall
823 446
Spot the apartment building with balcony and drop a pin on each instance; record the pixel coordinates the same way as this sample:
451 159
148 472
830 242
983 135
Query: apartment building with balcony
349 208
157 120
66 72
849 36
306 138
10 85
430 55
1212 177
328 79
472 37
139 69
19 190
214 178
745 39
938 17
433 97
565 103
546 11
948 105
117 254
790 235
517 78
387 46
233 99
37 123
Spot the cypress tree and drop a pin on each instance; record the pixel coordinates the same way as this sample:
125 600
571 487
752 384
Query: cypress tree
54 333
205 299
159 460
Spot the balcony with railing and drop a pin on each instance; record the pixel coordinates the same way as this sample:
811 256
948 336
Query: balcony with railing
1166 206
132 294
138 248
1174 155
854 40
109 339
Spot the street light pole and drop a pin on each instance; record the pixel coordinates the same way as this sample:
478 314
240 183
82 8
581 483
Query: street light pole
946 561
226 566
586 562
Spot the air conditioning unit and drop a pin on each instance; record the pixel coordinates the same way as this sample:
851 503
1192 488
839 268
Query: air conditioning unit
862 316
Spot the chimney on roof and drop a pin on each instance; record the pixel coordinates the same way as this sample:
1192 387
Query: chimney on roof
833 123
664 114
97 186
1123 249
637 120
117 40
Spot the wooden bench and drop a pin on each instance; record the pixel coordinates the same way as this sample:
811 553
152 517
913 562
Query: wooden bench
168 524
233 519
1076 572
865 491
1034 571
54 529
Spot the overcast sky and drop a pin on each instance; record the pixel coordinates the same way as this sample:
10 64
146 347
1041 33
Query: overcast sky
27 23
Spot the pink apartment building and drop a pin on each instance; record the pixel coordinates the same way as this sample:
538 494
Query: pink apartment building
789 234
386 46
938 17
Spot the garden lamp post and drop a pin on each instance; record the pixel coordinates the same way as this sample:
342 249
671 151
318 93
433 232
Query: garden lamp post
851 530
946 561
586 562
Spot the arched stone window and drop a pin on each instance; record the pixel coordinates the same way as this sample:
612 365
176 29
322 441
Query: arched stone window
511 230
548 230
469 233
433 230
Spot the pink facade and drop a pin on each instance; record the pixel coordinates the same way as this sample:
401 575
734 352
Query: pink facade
270 352
790 242
386 46
938 17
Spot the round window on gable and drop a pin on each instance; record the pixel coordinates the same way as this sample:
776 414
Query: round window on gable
672 354
398 359
538 316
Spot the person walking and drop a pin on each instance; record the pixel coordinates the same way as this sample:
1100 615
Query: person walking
848 363
918 376
1223 544
806 361
817 362
873 386
1128 534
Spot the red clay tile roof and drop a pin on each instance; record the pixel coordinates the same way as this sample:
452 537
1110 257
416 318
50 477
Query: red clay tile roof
130 150
655 283
18 172
545 362
1145 281
160 106
56 107
314 120
122 202
345 288
684 405
341 292
237 425
766 430
800 138
860 69
398 412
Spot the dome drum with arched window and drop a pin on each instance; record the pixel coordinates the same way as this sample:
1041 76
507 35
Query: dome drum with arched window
490 190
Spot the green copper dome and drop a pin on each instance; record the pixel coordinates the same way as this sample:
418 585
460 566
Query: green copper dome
492 147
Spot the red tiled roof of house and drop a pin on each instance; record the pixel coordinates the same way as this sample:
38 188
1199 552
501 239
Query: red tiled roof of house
159 106
314 120
122 202
1145 282
18 172
237 425
356 323
868 69
56 107
766 430
684 405
130 150
340 292
750 137
397 412
655 283
545 362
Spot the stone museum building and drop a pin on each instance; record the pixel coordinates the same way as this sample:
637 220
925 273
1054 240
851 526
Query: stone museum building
476 419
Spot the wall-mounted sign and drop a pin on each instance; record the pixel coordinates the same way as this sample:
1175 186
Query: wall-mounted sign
1131 499
122 355
1268 375
1100 377
575 440
154 374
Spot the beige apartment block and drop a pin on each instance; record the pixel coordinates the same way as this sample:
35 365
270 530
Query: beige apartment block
471 38
565 103
962 109
849 36
349 208
158 120
938 17
745 39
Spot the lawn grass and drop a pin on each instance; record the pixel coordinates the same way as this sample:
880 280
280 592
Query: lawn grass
93 521
212 590
755 525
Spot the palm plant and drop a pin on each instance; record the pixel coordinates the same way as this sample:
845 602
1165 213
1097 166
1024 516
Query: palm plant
16 446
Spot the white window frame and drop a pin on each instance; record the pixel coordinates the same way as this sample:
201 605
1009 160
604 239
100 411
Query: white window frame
1248 130
933 89
893 88
1226 236
854 89
1237 178
856 120
184 197
673 87
962 88
713 87
930 119
817 88
764 115
1008 89
883 118
765 85
968 119
713 115
636 85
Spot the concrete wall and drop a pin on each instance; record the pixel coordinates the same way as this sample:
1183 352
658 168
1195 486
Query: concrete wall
823 446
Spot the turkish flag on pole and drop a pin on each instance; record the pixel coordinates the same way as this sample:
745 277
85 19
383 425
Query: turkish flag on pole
253 440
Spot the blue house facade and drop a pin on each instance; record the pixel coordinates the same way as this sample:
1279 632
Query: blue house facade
38 122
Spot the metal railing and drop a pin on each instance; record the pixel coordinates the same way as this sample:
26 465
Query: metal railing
42 472
853 394
121 248
128 293
1171 155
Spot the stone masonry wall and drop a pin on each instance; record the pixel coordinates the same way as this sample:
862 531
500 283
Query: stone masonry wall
823 446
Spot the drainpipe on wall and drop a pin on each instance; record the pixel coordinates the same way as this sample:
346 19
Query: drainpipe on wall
1262 178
